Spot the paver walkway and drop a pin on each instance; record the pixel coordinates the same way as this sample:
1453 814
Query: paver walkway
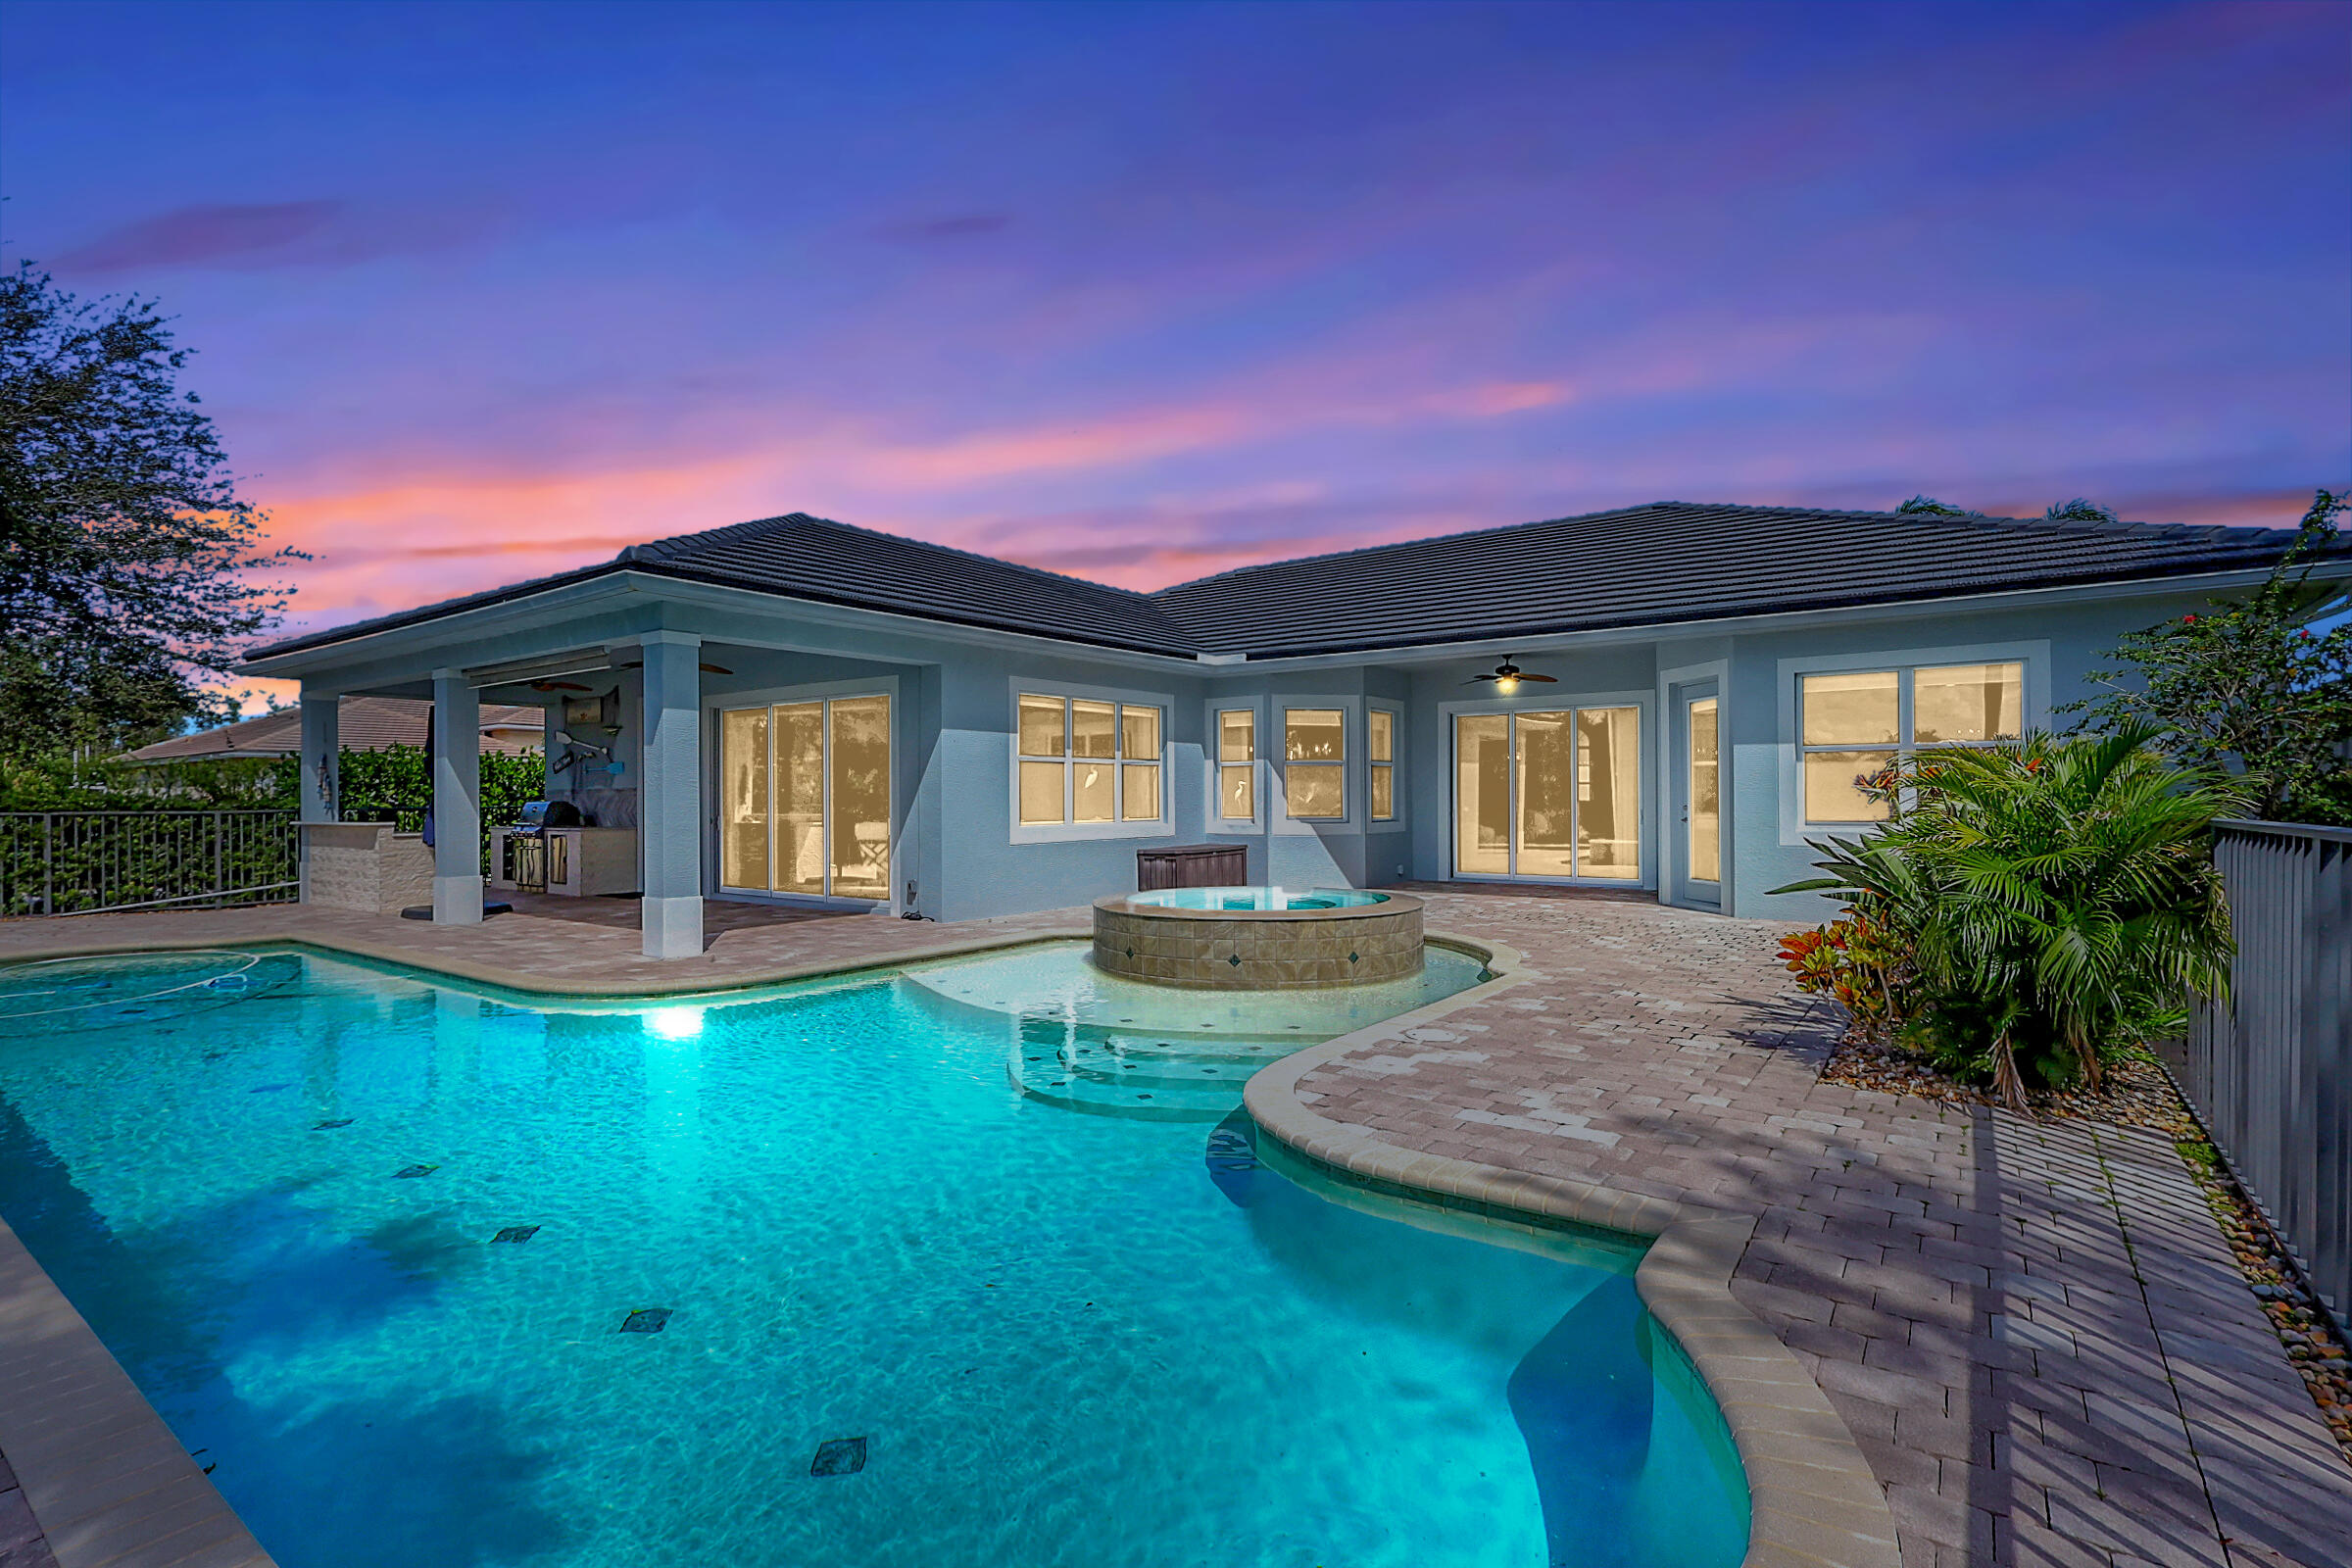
2032 1330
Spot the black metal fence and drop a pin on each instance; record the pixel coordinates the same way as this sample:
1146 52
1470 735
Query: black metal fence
2269 1070
80 862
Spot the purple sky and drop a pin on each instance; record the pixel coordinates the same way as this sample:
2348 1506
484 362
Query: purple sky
1143 292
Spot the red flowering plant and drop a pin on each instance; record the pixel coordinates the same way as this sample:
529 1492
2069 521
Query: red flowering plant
2027 908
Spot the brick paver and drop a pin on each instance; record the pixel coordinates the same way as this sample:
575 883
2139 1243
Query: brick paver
2032 1330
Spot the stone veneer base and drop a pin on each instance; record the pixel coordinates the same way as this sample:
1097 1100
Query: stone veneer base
1259 949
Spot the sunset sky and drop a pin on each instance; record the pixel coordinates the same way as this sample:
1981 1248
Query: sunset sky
1142 292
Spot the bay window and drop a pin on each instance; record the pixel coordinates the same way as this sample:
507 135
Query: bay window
1237 765
1315 751
1380 742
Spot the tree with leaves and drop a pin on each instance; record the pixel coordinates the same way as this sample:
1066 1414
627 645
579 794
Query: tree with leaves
1929 506
2258 686
129 562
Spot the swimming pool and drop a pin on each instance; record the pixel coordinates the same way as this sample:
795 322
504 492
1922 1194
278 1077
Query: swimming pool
801 1277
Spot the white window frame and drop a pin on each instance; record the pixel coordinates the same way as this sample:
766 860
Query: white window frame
1066 831
2035 712
1276 771
1645 877
1216 823
1394 821
901 820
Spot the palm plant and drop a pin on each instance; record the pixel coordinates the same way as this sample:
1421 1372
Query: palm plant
2058 895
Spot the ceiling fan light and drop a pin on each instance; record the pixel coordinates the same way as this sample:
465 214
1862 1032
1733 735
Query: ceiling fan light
1507 684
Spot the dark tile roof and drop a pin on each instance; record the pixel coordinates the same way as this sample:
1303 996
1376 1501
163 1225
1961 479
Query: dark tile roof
1658 565
833 563
1670 561
811 557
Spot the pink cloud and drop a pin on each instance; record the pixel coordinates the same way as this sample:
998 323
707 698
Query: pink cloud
218 235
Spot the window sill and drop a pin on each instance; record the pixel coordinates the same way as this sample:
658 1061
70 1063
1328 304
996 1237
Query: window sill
1081 832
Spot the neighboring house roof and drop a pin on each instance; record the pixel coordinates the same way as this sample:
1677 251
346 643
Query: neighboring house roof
1654 564
364 724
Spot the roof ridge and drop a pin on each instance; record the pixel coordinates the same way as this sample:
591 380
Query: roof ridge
672 544
2059 525
806 518
1396 544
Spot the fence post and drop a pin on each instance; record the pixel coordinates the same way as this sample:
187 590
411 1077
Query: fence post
48 863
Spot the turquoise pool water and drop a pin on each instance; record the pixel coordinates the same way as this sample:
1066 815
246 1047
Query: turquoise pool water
1259 899
1065 1335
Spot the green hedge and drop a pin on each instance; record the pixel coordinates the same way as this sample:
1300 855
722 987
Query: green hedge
76 836
398 783
58 863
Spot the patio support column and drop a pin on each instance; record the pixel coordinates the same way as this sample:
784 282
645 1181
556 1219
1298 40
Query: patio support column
669 814
551 724
321 782
321 756
457 799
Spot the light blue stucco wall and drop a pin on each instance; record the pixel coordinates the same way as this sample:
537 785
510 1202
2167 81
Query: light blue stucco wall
953 727
1767 838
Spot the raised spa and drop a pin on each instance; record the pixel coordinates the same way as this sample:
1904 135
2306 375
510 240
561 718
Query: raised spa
1258 939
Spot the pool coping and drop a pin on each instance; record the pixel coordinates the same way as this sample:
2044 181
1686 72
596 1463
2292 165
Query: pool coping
1814 1502
533 983
1813 1499
107 1479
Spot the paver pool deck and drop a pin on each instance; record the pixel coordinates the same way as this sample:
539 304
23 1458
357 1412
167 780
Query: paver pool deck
2033 1331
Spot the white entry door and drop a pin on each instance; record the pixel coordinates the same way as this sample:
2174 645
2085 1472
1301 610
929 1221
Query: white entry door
1699 794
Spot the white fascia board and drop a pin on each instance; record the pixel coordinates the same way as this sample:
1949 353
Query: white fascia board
1905 610
894 624
441 640
550 607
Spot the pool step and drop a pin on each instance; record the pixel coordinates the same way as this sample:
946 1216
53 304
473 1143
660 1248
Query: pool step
1149 1077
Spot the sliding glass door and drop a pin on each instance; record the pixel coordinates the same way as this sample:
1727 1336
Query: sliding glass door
805 797
1555 795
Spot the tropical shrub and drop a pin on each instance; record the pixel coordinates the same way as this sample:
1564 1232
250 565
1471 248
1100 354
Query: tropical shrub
1864 963
2031 909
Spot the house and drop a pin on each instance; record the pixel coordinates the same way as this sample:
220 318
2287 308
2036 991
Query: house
798 709
365 725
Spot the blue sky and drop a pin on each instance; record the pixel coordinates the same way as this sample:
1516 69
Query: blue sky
1143 291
